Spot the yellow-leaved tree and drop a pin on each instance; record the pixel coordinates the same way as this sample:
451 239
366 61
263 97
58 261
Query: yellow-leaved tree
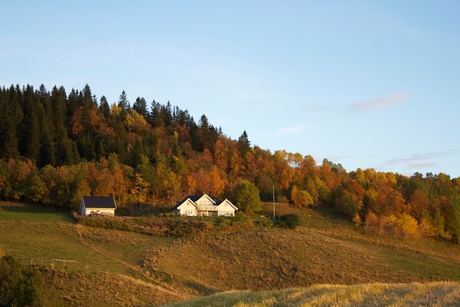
301 198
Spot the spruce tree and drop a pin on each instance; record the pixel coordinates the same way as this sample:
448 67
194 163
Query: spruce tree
13 117
30 128
244 145
140 106
123 103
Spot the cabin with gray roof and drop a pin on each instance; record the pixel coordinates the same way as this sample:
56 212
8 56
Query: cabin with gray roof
203 205
97 205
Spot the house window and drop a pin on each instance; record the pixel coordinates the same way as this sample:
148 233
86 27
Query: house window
225 213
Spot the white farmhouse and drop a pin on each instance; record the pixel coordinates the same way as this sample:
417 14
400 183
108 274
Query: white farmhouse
204 205
97 205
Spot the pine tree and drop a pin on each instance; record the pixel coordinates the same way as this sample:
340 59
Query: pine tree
123 103
30 128
104 107
47 129
61 139
140 106
156 119
13 117
74 102
244 145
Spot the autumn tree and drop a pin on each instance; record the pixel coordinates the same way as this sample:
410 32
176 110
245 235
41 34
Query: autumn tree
348 199
419 204
439 223
247 198
140 188
301 198
453 223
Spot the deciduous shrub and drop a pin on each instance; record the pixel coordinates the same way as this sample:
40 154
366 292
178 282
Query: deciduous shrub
161 227
22 286
289 221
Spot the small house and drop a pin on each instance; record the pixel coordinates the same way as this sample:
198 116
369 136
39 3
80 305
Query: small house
203 205
97 205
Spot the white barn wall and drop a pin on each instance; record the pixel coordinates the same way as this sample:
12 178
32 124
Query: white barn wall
187 209
226 209
102 211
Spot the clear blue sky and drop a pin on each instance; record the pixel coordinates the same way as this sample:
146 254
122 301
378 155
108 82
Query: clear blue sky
369 84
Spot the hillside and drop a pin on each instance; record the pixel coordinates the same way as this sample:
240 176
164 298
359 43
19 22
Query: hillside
263 259
56 147
117 268
376 294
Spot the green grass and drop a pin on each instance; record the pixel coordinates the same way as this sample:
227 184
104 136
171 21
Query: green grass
107 260
94 249
13 211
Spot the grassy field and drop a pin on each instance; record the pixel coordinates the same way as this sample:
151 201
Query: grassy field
106 272
12 211
378 294
119 268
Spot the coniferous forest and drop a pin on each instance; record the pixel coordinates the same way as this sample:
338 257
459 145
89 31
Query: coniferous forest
56 146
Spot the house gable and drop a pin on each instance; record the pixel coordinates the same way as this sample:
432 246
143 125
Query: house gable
227 205
226 208
205 201
204 205
186 204
187 208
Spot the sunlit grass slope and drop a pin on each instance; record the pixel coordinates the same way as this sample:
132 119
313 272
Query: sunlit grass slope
106 272
378 294
325 251
119 268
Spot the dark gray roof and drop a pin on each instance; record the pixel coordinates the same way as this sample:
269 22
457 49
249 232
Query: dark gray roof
193 198
99 202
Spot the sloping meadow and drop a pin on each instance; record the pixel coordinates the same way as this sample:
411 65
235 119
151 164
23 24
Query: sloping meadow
110 266
378 294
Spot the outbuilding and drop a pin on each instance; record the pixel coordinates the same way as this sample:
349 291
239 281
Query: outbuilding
97 205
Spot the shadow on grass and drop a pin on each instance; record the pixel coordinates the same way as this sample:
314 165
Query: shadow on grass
200 288
33 213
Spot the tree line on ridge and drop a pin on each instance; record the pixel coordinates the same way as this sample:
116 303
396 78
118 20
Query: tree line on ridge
56 147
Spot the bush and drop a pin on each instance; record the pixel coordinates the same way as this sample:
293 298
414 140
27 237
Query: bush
289 221
160 227
265 222
22 286
239 216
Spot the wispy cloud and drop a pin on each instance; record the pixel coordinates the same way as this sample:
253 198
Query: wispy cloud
378 103
419 161
293 130
412 159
